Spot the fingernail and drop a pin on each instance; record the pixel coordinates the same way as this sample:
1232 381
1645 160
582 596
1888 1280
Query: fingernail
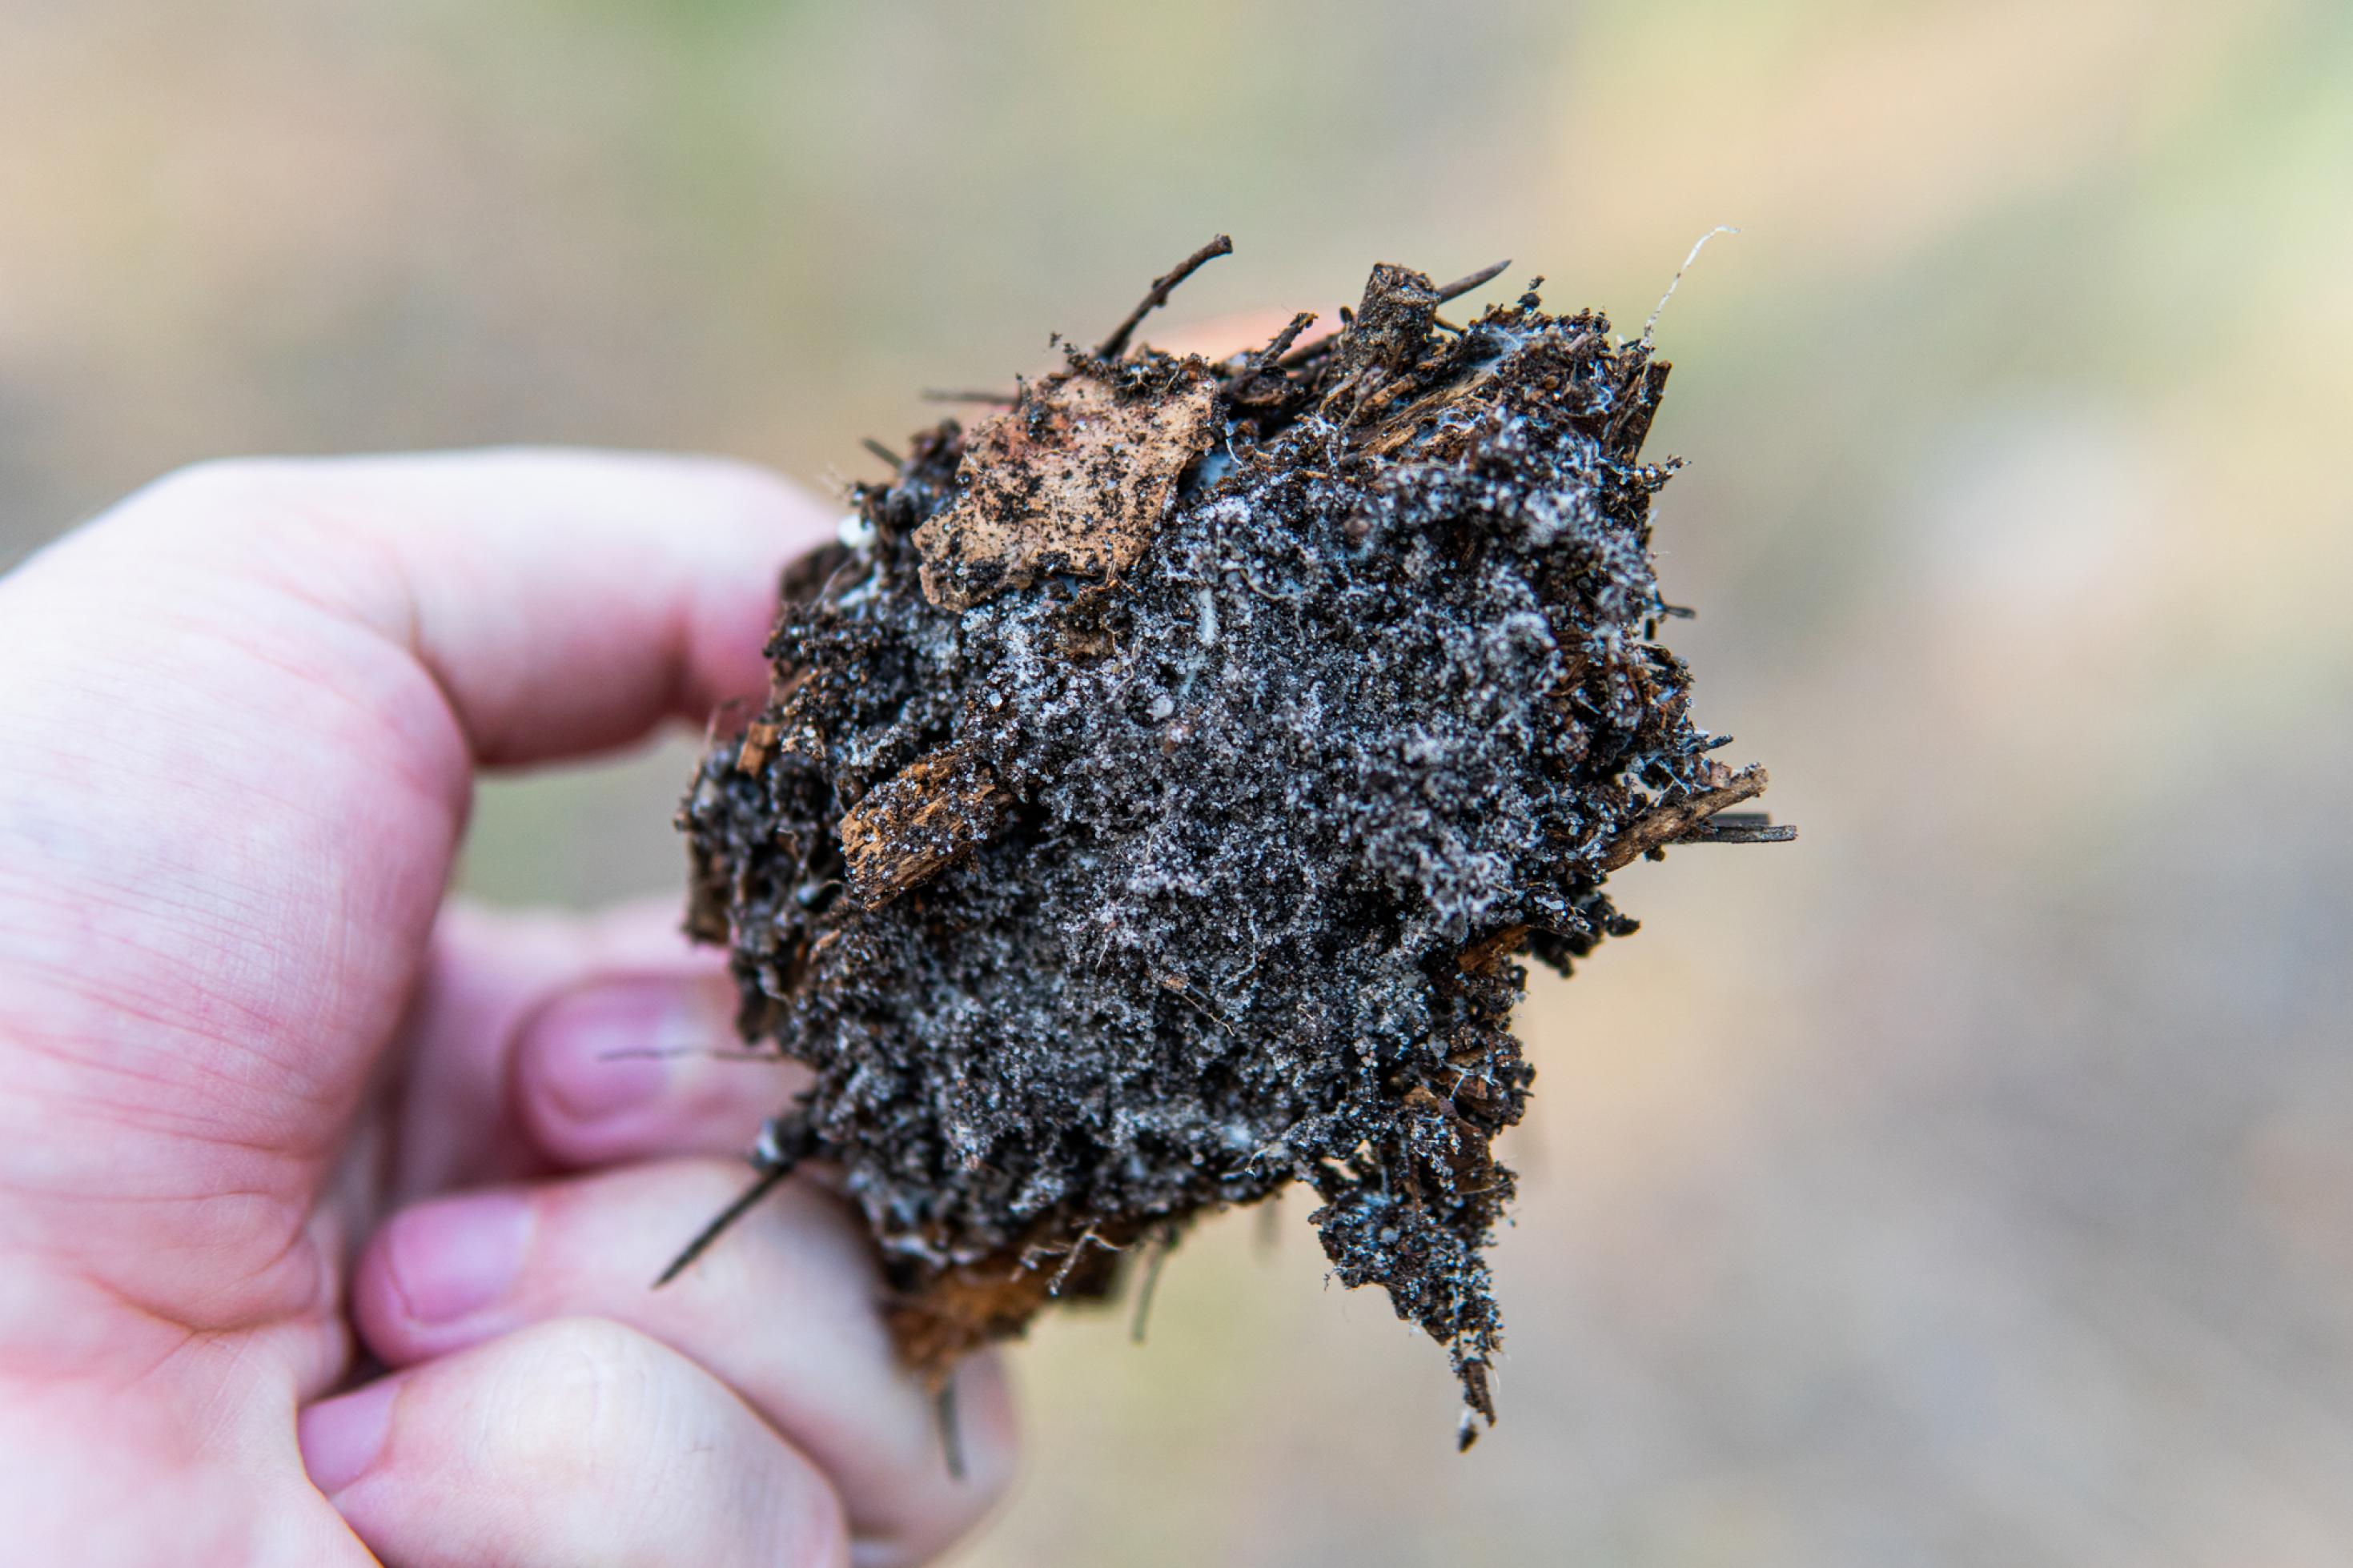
457 1256
608 1048
343 1438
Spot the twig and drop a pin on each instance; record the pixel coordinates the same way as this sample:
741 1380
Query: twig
939 394
1166 1244
1265 359
880 450
1669 823
1739 827
769 1182
1462 285
943 1411
1162 287
1267 356
1308 356
785 1142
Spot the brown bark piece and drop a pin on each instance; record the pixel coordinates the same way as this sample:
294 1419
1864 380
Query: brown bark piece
1481 956
759 739
1072 479
934 812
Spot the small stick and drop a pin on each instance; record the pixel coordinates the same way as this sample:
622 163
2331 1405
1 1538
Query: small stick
1162 287
1311 353
1740 828
1269 1226
770 1179
937 395
880 450
1266 358
943 1411
1274 351
1462 285
1151 1283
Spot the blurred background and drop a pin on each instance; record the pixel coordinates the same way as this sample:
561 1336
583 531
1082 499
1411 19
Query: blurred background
1970 1183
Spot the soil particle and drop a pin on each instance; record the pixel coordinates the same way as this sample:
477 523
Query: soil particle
1161 784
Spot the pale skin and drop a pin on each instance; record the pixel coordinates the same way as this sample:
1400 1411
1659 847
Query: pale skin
327 1213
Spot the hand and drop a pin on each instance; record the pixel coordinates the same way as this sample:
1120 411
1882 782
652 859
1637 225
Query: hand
240 718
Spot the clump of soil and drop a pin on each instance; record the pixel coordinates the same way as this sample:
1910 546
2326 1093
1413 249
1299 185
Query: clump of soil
1162 778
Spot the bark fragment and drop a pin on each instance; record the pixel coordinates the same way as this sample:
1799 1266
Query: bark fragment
1073 478
937 811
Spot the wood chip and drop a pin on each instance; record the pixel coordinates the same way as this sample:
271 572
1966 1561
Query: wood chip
758 742
1075 480
934 813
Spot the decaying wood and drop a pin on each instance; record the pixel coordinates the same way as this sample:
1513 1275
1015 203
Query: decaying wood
1739 827
1669 823
1157 295
934 813
759 739
1074 479
1484 954
1463 285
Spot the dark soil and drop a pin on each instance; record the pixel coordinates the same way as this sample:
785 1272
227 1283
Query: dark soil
1162 779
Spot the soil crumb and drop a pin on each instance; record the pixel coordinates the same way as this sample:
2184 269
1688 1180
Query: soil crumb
1163 779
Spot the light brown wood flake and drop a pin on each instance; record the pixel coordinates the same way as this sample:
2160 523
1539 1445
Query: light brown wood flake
1074 480
932 814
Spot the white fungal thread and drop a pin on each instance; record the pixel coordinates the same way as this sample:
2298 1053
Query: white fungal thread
1697 246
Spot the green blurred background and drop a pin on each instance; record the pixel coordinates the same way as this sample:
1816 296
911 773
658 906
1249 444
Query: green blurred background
1970 1183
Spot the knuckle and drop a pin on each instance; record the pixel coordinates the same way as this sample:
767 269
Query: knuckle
219 486
259 502
597 1409
587 1399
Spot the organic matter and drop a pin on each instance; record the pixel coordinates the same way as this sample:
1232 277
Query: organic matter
1162 778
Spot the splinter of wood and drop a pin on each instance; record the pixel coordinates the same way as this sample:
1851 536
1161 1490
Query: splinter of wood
1163 1245
1162 287
943 1411
1462 286
769 1182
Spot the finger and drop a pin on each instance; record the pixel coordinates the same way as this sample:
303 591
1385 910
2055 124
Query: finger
783 1311
565 602
544 1040
572 1442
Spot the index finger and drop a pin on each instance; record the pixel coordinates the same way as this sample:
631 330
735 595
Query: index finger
565 602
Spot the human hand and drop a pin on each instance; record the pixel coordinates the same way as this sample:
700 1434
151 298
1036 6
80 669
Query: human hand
240 718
